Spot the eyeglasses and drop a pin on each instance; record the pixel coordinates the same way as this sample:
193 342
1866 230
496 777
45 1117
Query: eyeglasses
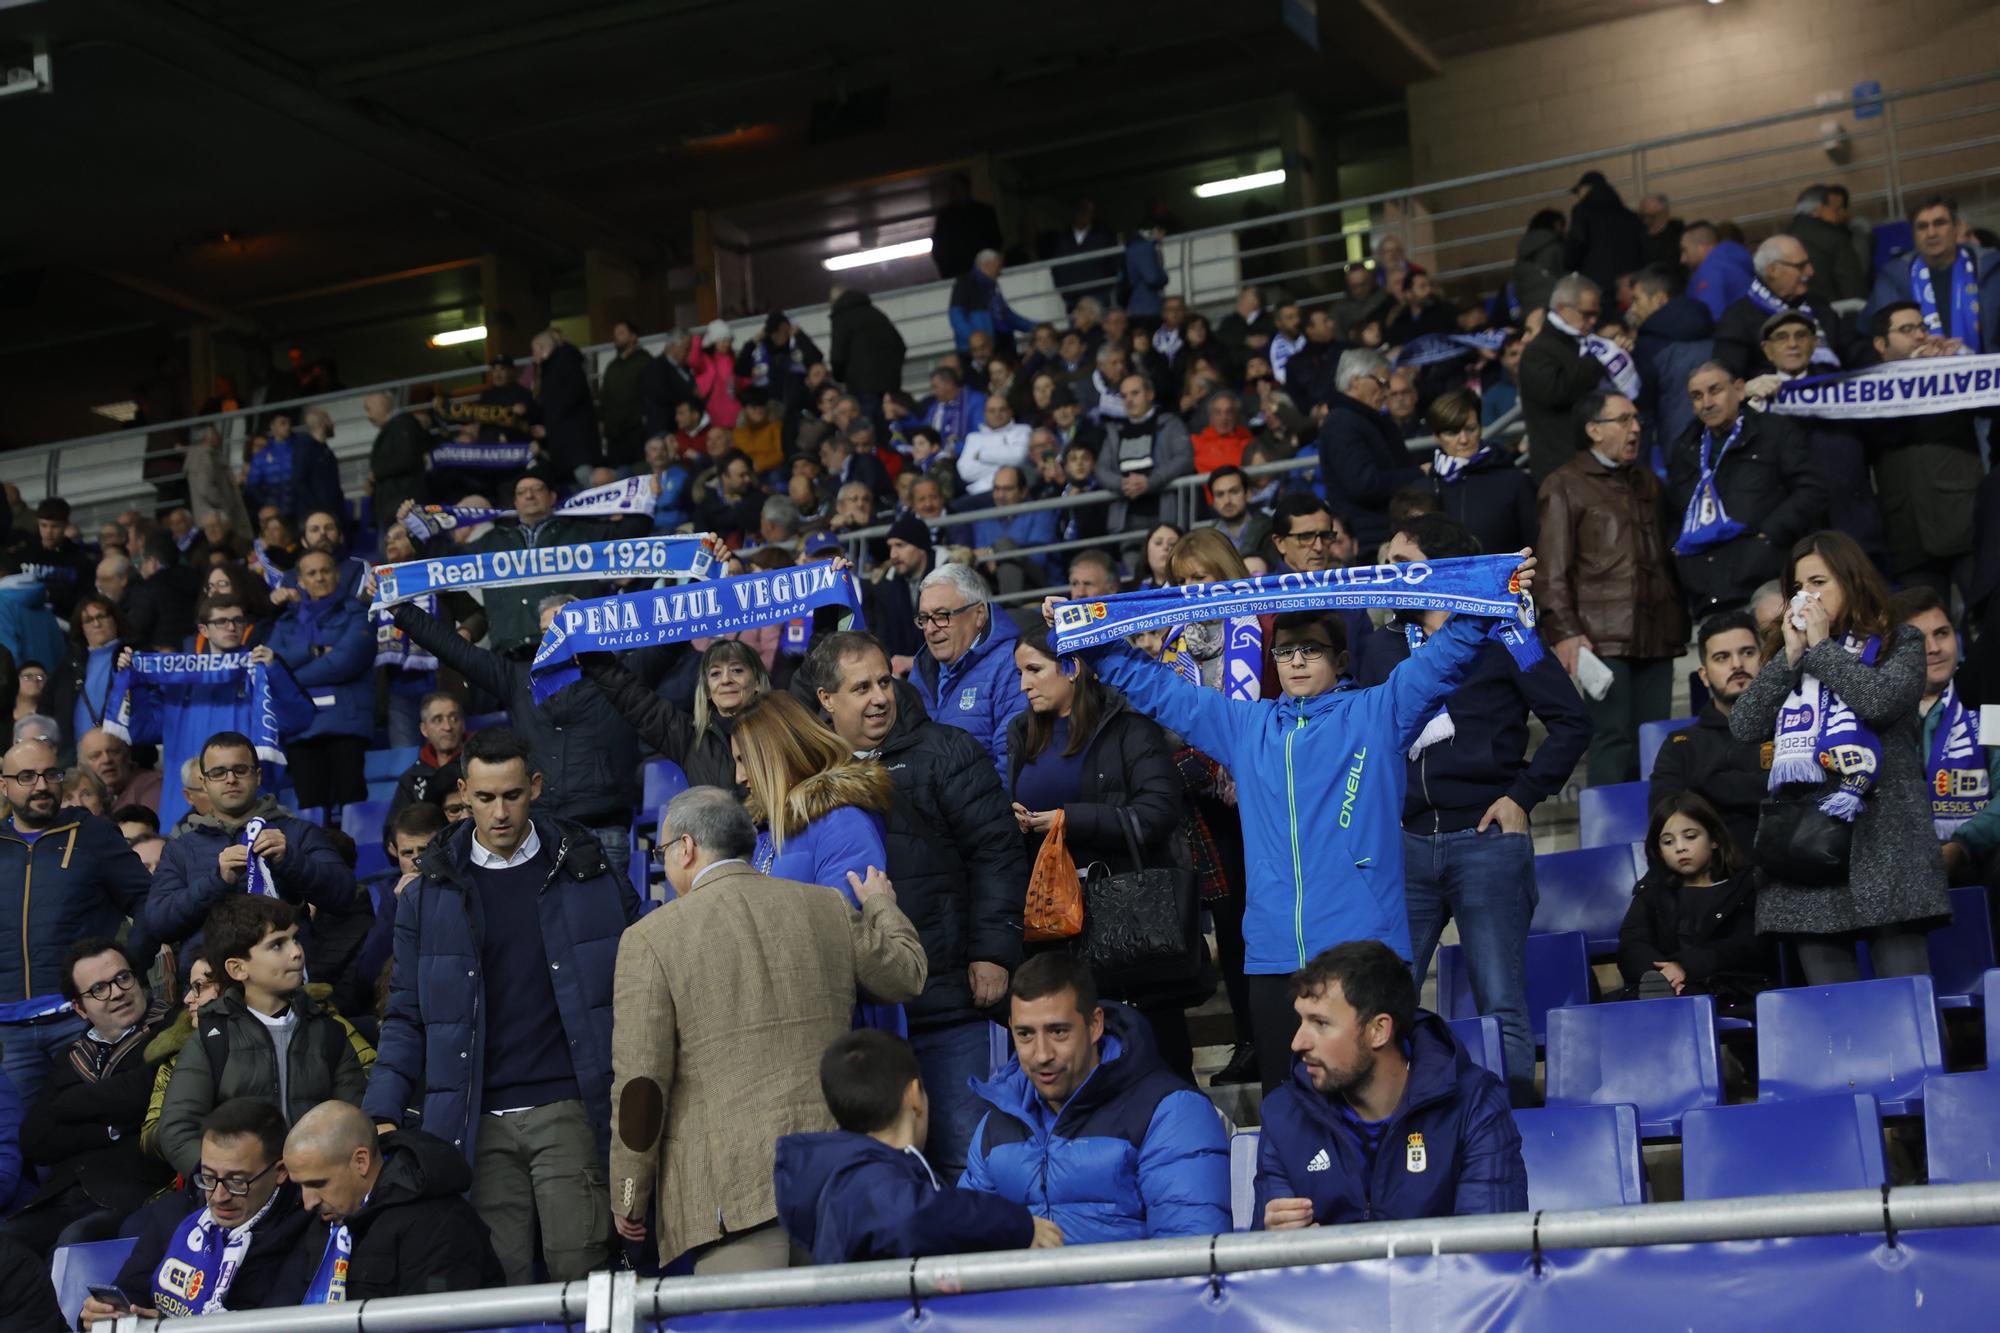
942 619
1587 312
1622 419
29 777
1308 651
1316 537
1791 263
100 991
206 1180
229 622
34 677
659 853
1916 330
202 987
221 771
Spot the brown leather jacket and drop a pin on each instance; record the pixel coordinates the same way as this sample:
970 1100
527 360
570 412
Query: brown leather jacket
1607 566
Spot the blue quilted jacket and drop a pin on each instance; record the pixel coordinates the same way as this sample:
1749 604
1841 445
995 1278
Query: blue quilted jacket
980 692
1134 1153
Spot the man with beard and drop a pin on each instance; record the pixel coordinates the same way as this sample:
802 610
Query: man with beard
1733 775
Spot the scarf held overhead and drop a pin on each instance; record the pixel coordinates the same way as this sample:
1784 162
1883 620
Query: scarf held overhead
633 495
205 669
637 558
675 615
1919 386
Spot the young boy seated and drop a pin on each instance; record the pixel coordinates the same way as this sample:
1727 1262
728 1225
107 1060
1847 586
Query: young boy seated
865 1191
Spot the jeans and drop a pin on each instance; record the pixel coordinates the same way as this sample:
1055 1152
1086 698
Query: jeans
1486 883
949 1059
539 1170
27 1050
617 844
1642 690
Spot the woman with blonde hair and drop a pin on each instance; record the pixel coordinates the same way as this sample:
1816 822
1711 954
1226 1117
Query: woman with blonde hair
730 678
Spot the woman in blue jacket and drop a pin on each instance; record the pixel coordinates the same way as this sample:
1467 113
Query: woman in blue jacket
329 645
818 809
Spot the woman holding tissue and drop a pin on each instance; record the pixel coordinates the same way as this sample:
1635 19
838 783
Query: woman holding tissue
1838 699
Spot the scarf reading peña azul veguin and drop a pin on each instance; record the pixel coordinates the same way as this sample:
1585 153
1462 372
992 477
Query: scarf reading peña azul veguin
206 669
1959 780
1914 387
1962 300
1818 734
636 558
694 611
1478 585
633 495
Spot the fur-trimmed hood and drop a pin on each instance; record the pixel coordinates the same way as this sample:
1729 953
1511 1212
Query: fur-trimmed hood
858 782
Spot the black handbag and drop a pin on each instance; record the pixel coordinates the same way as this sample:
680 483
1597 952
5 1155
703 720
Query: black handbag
1142 928
1799 843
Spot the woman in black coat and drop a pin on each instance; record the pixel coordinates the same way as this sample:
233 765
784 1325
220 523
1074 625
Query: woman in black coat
1692 926
1478 484
731 676
1110 770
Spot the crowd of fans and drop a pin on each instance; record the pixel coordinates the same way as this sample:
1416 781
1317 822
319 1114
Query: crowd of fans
499 1057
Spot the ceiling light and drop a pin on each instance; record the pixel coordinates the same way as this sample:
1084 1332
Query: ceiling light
472 335
123 413
1238 184
880 254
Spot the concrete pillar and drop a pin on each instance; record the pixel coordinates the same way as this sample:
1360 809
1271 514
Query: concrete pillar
514 293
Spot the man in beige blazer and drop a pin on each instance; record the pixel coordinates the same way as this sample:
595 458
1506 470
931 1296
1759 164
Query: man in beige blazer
723 1002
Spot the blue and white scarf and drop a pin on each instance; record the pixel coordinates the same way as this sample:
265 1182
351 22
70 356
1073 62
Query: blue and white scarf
1959 781
1767 301
201 1262
695 611
1818 734
1480 585
636 558
1283 348
395 649
274 578
1963 297
1617 362
1430 349
256 871
1440 727
1486 340
1239 644
1450 469
474 456
1168 342
955 420
1706 522
329 1283
206 669
35 1006
187 539
1914 387
633 495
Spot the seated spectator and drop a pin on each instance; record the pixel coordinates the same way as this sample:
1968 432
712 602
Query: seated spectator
952 410
1229 495
262 1036
733 507
1706 759
1092 573
82 1130
136 822
397 1222
328 644
1362 300
866 1191
965 672
54 559
1087 1128
758 435
1502 393
1477 484
197 989
25 1290
1692 927
1960 773
438 767
82 790
1557 371
248 1247
849 459
125 783
1222 442
1377 1075
1400 404
978 304
1719 270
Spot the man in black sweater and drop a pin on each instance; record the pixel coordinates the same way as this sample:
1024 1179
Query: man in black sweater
1705 758
1467 852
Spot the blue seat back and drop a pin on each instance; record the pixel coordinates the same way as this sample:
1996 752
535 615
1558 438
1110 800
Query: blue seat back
485 720
389 763
363 821
1558 970
1990 986
1962 951
1653 735
1587 890
1611 814
1879 1037
1480 1036
75 1269
1657 1055
664 780
1962 1126
1581 1156
1795 1147
1243 1179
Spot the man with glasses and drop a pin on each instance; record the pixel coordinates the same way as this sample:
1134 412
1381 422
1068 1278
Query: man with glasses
1608 581
965 672
83 1129
1783 282
64 873
1362 454
1556 371
248 1247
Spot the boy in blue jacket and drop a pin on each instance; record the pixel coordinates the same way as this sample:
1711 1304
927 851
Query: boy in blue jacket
866 1192
1319 780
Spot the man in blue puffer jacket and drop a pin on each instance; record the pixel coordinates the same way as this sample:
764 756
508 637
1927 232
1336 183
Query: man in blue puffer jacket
1088 1128
966 671
1386 1117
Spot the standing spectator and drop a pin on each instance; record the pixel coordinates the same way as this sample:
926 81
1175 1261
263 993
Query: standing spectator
1088 1128
1673 334
1783 271
712 358
329 646
1744 488
621 396
1362 453
1361 300
1956 287
1692 925
294 472
1605 240
729 677
1706 758
125 783
80 694
667 383
1819 223
734 951
1142 452
1557 371
1143 281
1079 751
1312 375
1080 278
438 767
1477 484
1538 259
1246 331
777 360
161 604
1840 642
867 351
89 881
1663 230
1719 271
1468 854
567 429
1959 771
491 956
964 227
1790 345
396 472
979 306
1609 588
211 482
1927 468
966 671
54 558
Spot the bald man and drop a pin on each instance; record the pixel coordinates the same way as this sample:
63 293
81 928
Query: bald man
86 881
396 1222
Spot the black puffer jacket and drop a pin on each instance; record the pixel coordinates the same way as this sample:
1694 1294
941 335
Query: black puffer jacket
703 756
416 1234
1494 500
586 750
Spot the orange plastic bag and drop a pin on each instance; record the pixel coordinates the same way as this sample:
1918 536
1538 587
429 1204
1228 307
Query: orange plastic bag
1054 908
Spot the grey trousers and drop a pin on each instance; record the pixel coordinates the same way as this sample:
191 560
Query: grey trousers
541 1167
754 1251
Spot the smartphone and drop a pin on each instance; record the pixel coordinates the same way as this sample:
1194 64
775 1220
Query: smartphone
112 1297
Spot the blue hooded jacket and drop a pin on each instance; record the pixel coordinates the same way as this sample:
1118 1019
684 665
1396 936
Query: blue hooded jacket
1133 1154
1449 1150
28 629
1722 279
1319 784
330 647
848 1197
980 692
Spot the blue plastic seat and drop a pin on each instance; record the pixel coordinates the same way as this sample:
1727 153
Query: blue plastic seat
1653 735
363 821
1611 814
1480 1036
1989 986
1962 952
382 789
1962 1126
661 781
1794 1147
1243 1179
1879 1037
1587 890
1558 970
1659 1056
75 1269
388 763
485 720
1581 1156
